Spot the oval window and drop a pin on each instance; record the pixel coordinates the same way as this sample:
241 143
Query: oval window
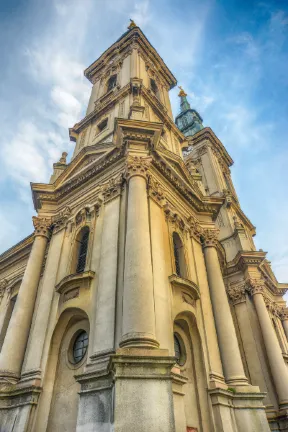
80 346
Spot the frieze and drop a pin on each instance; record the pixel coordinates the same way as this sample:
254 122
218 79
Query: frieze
42 226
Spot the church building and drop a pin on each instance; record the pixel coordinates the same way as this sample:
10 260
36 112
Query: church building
140 302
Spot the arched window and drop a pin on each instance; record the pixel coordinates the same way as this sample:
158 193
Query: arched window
154 87
111 83
82 249
179 257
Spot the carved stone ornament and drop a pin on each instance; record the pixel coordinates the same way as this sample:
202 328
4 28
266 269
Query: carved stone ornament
137 166
237 292
174 218
42 226
273 307
59 221
256 286
284 314
3 285
113 188
155 190
196 230
210 236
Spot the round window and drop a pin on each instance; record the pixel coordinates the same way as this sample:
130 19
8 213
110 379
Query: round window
80 346
179 349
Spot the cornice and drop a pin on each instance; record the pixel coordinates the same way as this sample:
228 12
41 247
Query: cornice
132 38
17 248
193 289
207 134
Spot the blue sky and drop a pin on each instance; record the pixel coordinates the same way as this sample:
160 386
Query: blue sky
230 57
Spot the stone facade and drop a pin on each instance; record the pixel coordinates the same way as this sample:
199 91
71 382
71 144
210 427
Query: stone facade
141 247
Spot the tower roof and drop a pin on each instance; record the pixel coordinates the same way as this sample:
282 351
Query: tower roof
133 35
189 120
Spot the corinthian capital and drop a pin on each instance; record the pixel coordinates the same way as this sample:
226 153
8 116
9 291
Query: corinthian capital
210 236
42 226
195 228
256 286
137 166
284 314
236 292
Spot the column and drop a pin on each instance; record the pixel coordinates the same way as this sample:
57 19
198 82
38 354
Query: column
138 306
228 343
216 370
13 349
134 61
39 330
164 324
104 327
284 319
277 365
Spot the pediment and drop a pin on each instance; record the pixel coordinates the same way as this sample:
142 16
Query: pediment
177 166
88 157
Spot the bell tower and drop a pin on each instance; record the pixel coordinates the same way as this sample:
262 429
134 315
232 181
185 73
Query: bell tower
121 317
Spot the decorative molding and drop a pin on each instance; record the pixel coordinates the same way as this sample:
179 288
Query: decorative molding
75 279
210 236
42 226
11 397
195 228
3 286
237 292
155 191
178 282
59 221
173 217
137 166
113 188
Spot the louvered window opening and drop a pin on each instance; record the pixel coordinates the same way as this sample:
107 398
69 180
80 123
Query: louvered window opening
82 252
177 258
112 82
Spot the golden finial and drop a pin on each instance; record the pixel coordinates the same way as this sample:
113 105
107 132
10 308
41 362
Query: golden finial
182 92
131 25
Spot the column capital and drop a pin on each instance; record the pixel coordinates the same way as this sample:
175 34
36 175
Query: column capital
42 226
155 191
210 236
3 286
112 189
237 292
255 286
137 166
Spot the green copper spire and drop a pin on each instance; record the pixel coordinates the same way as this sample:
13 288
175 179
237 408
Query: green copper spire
189 120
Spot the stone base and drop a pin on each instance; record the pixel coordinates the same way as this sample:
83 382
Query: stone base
239 411
143 390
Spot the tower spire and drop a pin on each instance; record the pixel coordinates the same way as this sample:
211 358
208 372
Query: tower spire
189 120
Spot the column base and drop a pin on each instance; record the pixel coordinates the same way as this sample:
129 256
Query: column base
237 381
139 340
143 390
238 410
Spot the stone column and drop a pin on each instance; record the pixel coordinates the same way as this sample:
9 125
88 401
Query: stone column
13 350
104 327
38 332
284 319
216 370
228 343
138 304
277 365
